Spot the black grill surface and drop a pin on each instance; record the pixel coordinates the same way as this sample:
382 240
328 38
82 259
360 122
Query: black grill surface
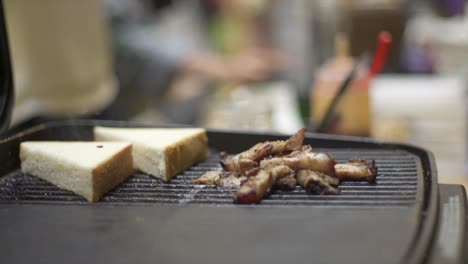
396 185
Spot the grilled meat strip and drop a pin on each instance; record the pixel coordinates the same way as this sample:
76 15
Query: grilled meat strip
357 170
209 177
241 165
224 179
320 162
286 183
258 186
248 159
304 149
232 181
316 182
294 143
283 177
255 188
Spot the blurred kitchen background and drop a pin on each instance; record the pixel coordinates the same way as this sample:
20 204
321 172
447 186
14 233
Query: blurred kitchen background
264 65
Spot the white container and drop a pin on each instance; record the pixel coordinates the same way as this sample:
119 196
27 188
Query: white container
427 111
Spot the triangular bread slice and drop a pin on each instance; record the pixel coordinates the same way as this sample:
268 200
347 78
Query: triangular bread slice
160 152
89 169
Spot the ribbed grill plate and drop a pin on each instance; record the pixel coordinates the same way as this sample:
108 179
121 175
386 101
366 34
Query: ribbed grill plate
396 185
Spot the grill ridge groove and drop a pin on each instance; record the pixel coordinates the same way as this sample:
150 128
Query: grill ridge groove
396 185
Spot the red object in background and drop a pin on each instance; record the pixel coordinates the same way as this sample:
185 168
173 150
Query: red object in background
384 41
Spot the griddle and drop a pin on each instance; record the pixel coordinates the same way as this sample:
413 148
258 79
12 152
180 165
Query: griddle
6 76
144 220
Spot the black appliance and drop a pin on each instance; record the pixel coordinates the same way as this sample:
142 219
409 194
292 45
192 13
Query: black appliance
405 217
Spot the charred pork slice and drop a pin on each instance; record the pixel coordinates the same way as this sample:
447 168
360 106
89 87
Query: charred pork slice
316 182
294 143
320 162
357 170
255 188
248 159
232 181
224 179
286 183
279 172
283 177
238 163
209 177
258 186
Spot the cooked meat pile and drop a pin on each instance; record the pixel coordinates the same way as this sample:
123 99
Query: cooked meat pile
282 165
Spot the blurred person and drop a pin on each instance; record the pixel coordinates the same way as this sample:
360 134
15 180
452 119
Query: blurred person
284 26
292 30
62 66
155 41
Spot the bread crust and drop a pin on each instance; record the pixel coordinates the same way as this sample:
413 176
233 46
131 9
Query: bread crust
185 153
111 173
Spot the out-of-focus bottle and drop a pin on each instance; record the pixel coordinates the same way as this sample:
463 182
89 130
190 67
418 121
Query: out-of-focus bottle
352 112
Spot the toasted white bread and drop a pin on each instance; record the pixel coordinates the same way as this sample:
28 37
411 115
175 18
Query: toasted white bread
89 169
160 152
